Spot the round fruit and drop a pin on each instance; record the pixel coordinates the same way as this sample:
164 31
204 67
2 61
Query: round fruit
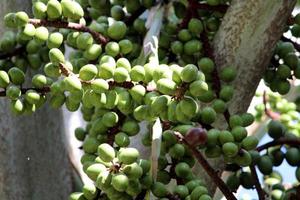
275 129
196 136
128 155
106 152
230 149
182 170
265 165
120 182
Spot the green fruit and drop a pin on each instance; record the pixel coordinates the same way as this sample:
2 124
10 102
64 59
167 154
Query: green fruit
198 192
90 145
166 86
206 65
72 84
189 107
293 156
137 73
208 115
182 170
239 133
117 12
106 152
159 104
283 71
99 85
41 34
55 40
57 100
134 189
246 180
117 30
112 49
32 97
228 74
247 119
177 151
88 72
126 46
56 56
10 20
189 73
28 32
16 76
230 149
80 134
192 47
21 18
123 62
90 191
130 127
235 120
122 139
128 155
184 35
212 137
233 182
291 60
249 143
219 106
133 171
265 165
225 136
84 40
13 92
39 10
54 9
110 119
77 196
104 180
177 47
93 52
4 79
71 9
182 191
106 70
159 189
120 182
226 93
198 87
120 75
195 26
205 197
275 129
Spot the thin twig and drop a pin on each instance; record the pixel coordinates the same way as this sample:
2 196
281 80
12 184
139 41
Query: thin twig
261 193
69 25
280 141
208 168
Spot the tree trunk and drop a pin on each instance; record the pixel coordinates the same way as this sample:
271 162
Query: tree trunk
34 162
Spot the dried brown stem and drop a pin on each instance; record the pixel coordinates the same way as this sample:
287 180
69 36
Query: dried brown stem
99 38
208 168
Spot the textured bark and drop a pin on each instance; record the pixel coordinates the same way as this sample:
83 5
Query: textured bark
246 40
34 162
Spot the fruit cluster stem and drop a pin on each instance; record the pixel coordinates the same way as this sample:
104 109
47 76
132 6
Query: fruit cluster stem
280 141
261 193
208 168
99 38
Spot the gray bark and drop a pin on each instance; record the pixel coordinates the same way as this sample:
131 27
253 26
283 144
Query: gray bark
34 162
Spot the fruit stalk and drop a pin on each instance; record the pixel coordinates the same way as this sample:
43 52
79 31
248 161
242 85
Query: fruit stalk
261 193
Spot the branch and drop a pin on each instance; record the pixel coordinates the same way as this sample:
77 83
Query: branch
261 193
273 115
15 52
43 90
208 168
280 141
99 38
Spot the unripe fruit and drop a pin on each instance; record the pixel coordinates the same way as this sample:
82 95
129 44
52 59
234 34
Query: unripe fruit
128 155
198 192
159 189
205 197
112 49
228 74
239 133
208 115
230 149
212 137
135 188
56 56
225 136
84 40
80 134
137 73
177 151
126 46
28 32
133 171
198 87
233 182
57 100
275 129
88 72
166 86
191 47
121 75
16 76
72 84
90 145
93 52
4 79
265 165
250 142
32 97
90 191
120 182
39 10
21 18
293 156
195 26
106 152
226 93
189 73
41 34
13 92
104 180
235 120
206 65
196 136
277 156
182 191
182 170
55 40
137 93
122 139
246 180
106 70
110 119
117 30
77 196
10 20
247 119
71 9
54 9
189 107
